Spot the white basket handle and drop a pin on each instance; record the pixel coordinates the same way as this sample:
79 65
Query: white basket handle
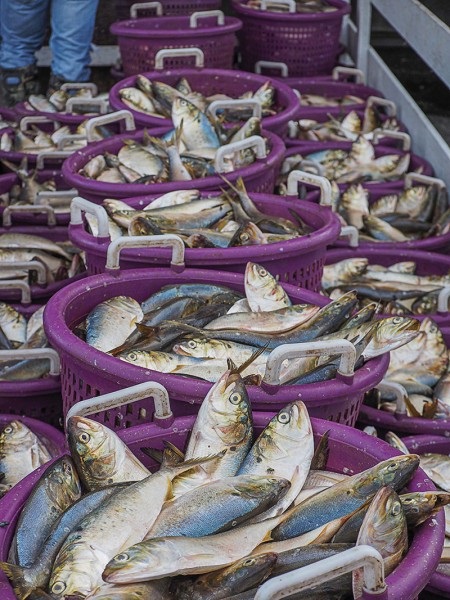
27 265
377 101
147 241
115 117
254 141
396 135
135 393
312 164
79 205
66 140
412 177
42 156
352 233
350 71
329 568
164 53
252 103
31 353
35 119
62 194
268 64
316 348
18 284
193 20
296 177
400 394
135 8
9 210
101 103
87 85
443 298
289 3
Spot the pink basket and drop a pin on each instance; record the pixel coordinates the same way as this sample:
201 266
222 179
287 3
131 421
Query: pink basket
307 43
351 451
259 176
87 372
215 81
427 264
140 39
170 8
298 261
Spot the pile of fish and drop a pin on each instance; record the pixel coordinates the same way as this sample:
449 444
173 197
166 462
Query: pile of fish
301 6
58 100
156 98
35 140
345 128
222 221
21 452
186 153
215 520
397 288
334 100
60 260
422 368
194 329
356 165
18 333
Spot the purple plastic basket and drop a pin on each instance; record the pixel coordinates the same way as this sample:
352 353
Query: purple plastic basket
87 372
8 114
29 218
215 81
417 163
307 43
428 264
171 8
259 176
298 261
140 40
351 451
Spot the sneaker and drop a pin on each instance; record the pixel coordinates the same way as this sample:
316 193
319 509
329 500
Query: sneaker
17 84
54 84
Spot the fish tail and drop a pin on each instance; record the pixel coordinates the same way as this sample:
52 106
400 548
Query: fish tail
16 576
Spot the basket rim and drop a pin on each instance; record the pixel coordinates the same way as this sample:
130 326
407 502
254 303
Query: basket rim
343 8
129 28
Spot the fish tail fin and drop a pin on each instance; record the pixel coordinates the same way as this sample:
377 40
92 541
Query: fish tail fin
233 368
16 576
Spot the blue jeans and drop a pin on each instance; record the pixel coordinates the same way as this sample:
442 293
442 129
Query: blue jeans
23 27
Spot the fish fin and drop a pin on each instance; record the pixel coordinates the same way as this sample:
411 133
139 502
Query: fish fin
16 576
195 462
412 409
232 367
429 409
154 453
254 379
176 451
321 453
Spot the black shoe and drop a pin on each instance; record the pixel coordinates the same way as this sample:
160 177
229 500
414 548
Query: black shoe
17 84
54 84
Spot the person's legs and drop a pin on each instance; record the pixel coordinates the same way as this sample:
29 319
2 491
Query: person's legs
23 27
73 24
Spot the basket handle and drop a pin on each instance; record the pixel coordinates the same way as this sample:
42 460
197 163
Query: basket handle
316 348
388 104
254 141
312 575
10 210
252 103
25 122
147 241
164 53
400 394
289 3
18 284
296 177
42 156
134 8
412 177
115 117
28 265
396 135
79 205
268 64
202 14
65 140
70 86
351 72
443 297
135 393
101 103
352 233
52 355
40 196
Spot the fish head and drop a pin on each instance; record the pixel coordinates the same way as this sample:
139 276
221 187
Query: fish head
252 570
150 556
419 506
393 332
248 234
200 348
16 433
257 276
184 110
353 267
64 483
396 471
385 523
286 430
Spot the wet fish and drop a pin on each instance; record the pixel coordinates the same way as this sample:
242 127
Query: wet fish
111 322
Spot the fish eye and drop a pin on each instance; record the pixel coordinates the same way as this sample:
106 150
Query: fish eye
397 320
58 587
123 557
84 437
244 237
396 508
8 429
192 344
235 398
132 355
248 562
262 272
392 467
284 417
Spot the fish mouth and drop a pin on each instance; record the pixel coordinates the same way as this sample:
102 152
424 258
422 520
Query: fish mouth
177 348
